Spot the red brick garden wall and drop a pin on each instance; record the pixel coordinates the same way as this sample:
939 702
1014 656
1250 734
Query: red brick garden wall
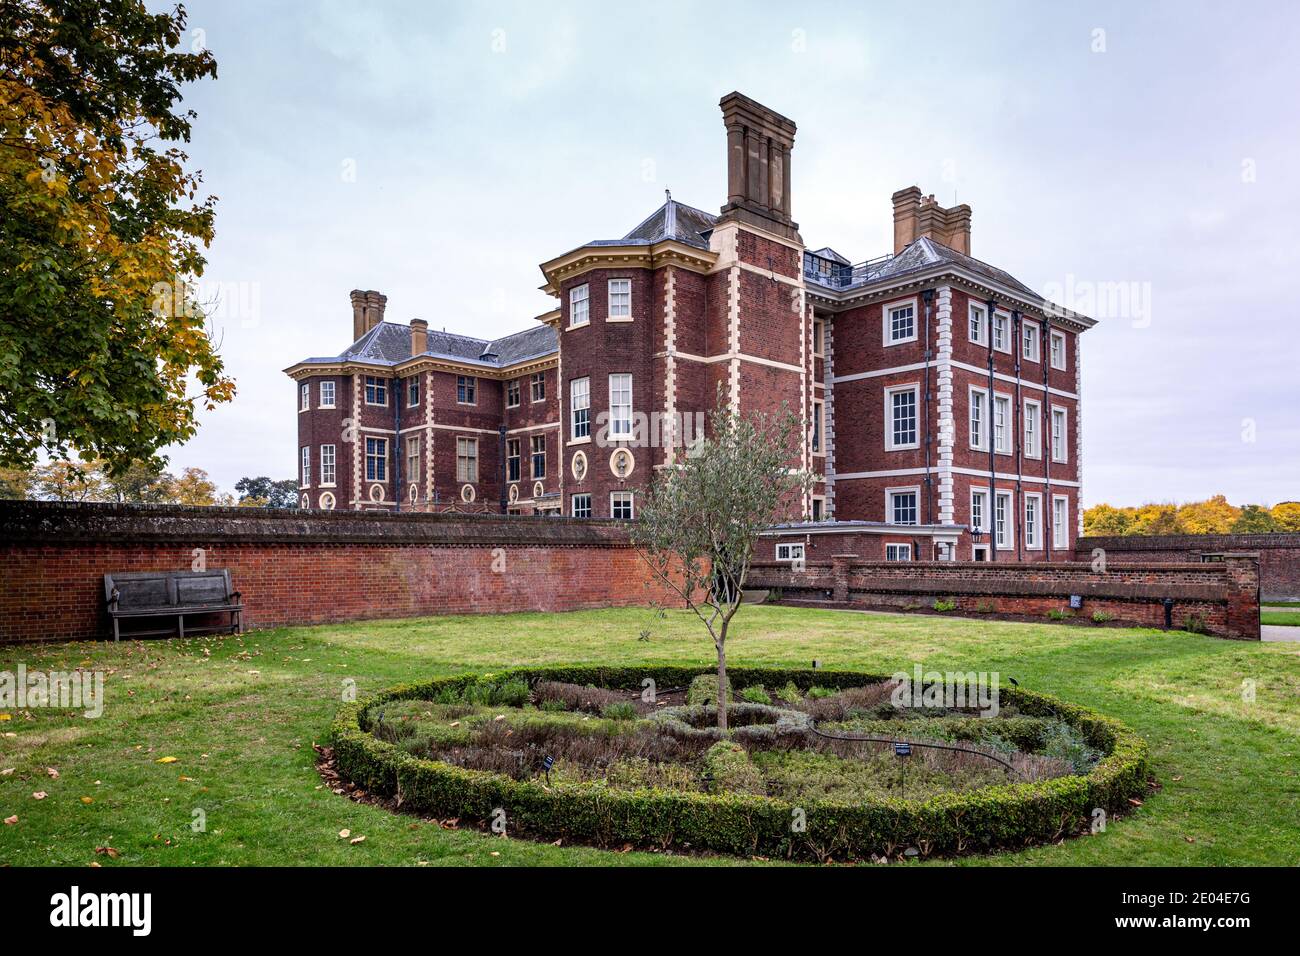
1224 596
295 568
1279 555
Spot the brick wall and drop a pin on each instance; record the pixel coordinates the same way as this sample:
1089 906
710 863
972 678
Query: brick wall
294 568
1224 595
1279 555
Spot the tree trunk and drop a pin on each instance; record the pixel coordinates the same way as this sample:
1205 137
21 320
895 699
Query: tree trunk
722 678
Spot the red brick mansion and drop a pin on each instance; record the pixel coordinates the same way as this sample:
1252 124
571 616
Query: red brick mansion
941 395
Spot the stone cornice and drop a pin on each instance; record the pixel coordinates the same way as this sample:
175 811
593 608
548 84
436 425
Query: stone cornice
669 252
422 363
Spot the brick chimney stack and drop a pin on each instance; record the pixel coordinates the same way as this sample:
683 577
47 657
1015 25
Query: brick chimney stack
419 337
367 311
917 215
759 142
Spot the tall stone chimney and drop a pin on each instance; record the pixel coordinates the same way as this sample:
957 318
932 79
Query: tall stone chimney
419 337
374 308
358 314
759 142
917 215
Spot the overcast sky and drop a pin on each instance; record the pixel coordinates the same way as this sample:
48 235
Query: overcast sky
439 152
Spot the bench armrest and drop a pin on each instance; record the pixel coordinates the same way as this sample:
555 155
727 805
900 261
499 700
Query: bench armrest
236 596
112 599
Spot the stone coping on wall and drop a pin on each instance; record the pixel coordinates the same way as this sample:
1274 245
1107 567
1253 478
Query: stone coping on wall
47 522
1210 543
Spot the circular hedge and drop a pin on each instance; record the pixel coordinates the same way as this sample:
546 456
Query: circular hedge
1007 816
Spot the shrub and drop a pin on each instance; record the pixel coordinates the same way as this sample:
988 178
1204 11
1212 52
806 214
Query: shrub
789 693
944 606
590 700
1195 624
757 694
1001 817
1060 614
727 769
553 705
1062 741
1101 617
623 710
815 692
704 690
985 607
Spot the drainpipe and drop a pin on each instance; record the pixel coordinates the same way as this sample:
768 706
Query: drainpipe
397 442
928 297
1044 427
1018 348
991 305
501 454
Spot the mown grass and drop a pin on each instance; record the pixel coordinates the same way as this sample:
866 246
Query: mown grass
240 714
1285 618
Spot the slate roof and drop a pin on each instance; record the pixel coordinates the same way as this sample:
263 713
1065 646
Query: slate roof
389 343
674 220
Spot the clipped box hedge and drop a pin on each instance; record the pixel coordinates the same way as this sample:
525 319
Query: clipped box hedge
1002 817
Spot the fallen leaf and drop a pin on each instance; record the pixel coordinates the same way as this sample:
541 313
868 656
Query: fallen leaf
97 866
108 851
40 795
87 800
52 772
6 771
1135 801
355 840
10 821
166 760
495 853
6 716
185 779
345 833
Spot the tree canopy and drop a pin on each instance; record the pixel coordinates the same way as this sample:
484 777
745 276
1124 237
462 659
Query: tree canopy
103 350
1215 515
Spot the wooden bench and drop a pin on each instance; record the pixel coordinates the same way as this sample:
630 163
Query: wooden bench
172 594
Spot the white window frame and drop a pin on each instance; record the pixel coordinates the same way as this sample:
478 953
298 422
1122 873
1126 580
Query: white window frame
791 551
306 466
1002 319
574 408
1033 542
817 438
631 504
514 460
984 525
1061 541
1006 536
573 504
619 316
533 453
889 504
1006 444
470 384
513 384
986 419
376 385
379 457
328 464
462 476
579 306
412 385
1031 438
1064 457
915 389
902 552
304 397
616 431
534 381
1058 337
819 338
975 309
412 475
323 402
887 324
1029 335
815 501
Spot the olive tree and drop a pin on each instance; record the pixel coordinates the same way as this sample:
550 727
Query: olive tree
702 516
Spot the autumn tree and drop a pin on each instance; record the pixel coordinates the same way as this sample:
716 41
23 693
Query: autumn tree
1156 519
1253 519
194 487
1102 520
1286 515
101 234
701 518
1212 516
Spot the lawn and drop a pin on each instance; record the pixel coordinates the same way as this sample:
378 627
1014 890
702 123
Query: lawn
1287 618
240 715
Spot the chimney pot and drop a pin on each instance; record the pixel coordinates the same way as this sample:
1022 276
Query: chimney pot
917 215
358 314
